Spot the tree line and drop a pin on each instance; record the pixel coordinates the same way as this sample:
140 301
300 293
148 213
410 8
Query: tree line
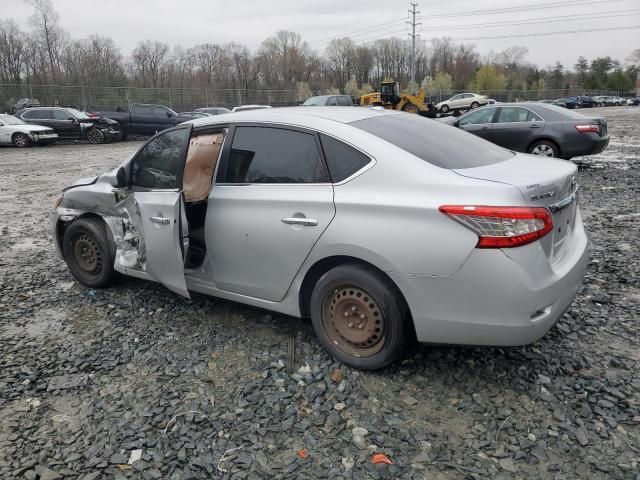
46 54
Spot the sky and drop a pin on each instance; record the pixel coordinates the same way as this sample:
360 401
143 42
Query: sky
191 22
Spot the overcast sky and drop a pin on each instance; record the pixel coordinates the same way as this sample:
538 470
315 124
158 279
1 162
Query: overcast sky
190 22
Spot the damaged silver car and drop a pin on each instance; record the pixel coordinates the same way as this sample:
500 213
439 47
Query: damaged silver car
381 226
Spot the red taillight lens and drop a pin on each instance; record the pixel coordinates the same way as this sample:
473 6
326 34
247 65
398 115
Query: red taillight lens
588 128
502 227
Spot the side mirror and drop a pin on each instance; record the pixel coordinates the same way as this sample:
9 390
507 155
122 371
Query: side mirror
121 178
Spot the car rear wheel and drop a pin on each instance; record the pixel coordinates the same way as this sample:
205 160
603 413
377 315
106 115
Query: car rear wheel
444 108
88 253
95 136
20 140
544 148
358 316
474 105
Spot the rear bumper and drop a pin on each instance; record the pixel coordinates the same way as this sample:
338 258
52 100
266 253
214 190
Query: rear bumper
497 298
587 144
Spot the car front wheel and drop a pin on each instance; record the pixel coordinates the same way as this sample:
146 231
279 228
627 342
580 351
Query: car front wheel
20 140
95 136
543 148
88 253
358 315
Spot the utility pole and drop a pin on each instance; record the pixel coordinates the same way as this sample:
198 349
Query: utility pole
413 12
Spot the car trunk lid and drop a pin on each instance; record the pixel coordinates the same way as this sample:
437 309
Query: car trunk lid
543 182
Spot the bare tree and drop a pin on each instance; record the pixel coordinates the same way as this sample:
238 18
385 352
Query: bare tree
12 50
47 31
148 59
340 56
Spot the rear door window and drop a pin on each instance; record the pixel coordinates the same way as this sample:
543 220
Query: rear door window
342 159
516 114
274 155
434 142
332 102
344 101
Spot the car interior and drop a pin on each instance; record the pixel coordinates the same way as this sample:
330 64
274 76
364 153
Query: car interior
202 158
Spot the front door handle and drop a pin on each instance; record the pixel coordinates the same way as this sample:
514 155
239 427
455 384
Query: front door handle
160 220
307 222
534 125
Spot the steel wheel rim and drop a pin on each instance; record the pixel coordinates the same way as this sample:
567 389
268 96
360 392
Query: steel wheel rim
94 136
20 140
544 150
87 254
353 321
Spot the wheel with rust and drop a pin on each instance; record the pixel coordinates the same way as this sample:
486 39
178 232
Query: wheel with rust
360 316
89 253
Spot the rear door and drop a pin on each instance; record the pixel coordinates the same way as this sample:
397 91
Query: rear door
479 122
153 211
271 202
40 116
516 128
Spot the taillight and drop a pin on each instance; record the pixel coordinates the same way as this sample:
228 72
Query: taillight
502 227
591 128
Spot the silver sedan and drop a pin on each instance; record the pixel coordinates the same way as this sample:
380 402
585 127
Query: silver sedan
383 227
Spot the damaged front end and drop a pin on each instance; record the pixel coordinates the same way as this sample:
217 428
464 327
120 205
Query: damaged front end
97 197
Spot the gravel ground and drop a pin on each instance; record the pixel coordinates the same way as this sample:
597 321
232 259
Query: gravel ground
91 380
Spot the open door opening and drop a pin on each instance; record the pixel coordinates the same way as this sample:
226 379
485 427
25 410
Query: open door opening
202 158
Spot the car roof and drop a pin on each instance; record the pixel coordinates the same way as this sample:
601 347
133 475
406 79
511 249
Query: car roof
296 115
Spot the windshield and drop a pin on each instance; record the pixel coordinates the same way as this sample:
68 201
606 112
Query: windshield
11 120
314 101
78 114
441 145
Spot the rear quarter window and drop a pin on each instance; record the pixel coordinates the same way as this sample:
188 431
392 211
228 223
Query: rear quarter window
434 142
342 159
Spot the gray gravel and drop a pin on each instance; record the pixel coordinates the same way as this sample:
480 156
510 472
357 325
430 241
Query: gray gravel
136 382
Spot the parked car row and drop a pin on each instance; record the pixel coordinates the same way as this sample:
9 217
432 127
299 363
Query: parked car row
67 123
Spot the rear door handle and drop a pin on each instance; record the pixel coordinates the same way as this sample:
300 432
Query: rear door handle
160 220
308 222
534 125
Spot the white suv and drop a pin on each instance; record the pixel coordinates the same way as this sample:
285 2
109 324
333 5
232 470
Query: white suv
462 101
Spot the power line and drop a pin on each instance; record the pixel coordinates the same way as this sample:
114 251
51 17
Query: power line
546 34
527 21
521 8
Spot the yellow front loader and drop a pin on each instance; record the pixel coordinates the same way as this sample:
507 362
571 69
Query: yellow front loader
391 98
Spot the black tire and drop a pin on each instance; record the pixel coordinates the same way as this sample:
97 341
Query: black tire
95 136
20 140
444 108
543 148
89 253
389 320
410 108
474 105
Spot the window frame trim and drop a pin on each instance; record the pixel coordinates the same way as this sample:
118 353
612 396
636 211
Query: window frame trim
224 160
370 164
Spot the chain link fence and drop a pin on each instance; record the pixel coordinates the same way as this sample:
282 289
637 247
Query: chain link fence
110 98
186 99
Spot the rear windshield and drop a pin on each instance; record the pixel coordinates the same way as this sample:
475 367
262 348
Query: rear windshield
441 145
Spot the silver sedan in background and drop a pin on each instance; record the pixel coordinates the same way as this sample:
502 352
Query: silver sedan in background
383 227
